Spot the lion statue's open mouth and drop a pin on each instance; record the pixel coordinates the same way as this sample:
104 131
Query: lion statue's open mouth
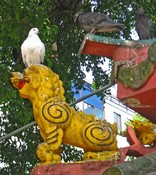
59 122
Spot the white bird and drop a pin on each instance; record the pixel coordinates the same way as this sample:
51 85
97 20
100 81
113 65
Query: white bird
33 50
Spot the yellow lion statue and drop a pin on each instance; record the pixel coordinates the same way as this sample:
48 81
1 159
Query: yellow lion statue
60 123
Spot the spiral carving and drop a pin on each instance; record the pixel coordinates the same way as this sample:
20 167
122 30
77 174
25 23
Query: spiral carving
100 135
57 113
113 170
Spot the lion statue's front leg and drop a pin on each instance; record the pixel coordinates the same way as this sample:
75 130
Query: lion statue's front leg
55 117
48 152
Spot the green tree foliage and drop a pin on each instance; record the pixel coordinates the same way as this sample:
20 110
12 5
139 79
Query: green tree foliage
136 117
54 18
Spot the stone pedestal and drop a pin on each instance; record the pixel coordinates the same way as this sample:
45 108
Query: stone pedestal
77 168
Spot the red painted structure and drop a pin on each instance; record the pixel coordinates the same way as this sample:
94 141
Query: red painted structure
125 50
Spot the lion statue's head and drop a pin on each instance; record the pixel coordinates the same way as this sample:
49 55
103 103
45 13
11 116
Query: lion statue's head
38 82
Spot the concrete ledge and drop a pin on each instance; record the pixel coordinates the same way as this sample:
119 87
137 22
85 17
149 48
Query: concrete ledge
77 168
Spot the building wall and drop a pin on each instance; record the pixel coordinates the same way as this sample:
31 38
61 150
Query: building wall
115 111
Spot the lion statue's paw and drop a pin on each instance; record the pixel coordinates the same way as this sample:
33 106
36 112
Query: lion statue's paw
103 155
46 155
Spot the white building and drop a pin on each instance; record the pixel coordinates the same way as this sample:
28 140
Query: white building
115 111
